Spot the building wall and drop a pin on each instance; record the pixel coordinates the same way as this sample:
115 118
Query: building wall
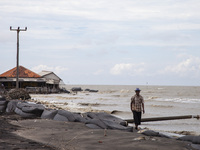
10 85
52 76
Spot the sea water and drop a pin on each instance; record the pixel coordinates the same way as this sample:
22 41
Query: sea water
160 101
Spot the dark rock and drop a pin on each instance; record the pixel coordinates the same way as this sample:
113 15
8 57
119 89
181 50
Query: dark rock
93 91
89 90
76 89
63 90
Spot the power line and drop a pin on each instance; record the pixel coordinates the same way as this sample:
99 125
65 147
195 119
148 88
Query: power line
18 30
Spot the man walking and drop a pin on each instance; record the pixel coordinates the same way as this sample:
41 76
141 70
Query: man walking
137 106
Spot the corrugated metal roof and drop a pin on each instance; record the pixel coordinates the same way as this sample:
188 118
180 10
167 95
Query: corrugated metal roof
43 73
46 73
23 73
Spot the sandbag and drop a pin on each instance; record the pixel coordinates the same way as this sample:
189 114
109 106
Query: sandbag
67 114
23 114
59 117
2 108
11 106
196 140
79 118
190 138
31 108
186 138
150 133
113 125
85 116
91 115
3 105
3 102
49 114
106 116
195 146
27 107
92 126
97 122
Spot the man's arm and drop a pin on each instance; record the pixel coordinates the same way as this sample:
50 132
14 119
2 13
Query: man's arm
131 105
132 102
143 108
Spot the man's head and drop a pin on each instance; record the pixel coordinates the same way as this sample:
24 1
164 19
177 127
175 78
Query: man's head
137 91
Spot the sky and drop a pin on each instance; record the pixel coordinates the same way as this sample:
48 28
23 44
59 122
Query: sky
109 42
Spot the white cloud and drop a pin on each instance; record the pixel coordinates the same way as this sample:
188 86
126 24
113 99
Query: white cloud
57 69
189 67
98 72
104 9
178 26
128 68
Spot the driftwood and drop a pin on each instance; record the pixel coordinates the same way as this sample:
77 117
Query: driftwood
164 118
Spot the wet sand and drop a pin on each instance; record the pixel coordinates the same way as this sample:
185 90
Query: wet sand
11 141
18 133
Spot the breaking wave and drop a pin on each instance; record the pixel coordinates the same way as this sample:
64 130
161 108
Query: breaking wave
182 100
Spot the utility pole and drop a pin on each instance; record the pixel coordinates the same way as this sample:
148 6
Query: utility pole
18 30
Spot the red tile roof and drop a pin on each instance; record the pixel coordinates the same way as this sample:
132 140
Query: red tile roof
23 73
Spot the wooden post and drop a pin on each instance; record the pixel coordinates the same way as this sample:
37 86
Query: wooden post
164 118
18 30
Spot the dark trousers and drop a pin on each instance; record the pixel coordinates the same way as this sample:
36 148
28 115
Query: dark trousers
137 117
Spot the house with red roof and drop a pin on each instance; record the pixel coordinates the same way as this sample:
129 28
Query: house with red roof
28 78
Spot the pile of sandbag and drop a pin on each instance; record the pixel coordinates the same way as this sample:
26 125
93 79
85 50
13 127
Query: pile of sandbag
24 109
92 120
105 121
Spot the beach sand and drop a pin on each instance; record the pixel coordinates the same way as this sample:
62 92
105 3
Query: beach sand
18 133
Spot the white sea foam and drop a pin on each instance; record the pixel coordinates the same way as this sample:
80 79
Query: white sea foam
181 100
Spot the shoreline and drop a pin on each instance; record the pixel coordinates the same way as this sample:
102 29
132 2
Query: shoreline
114 113
48 134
